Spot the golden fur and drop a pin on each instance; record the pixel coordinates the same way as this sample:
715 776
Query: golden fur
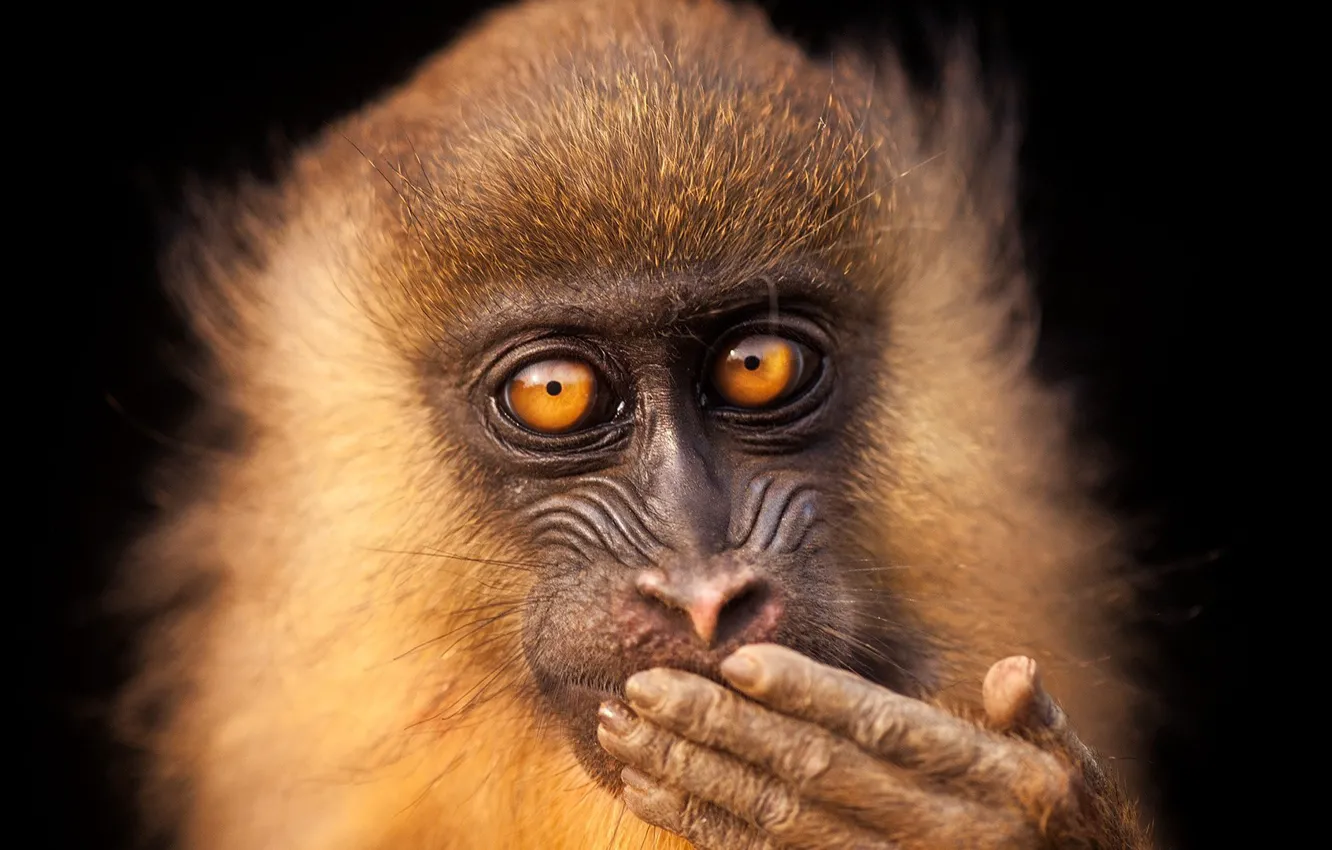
322 671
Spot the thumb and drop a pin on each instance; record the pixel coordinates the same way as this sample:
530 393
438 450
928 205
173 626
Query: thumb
1016 702
1015 699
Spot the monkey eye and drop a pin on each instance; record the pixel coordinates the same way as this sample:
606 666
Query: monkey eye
556 396
762 371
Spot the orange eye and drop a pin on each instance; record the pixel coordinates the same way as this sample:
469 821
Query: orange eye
553 396
760 370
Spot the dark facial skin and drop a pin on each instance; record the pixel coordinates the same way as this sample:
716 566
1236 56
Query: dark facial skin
676 527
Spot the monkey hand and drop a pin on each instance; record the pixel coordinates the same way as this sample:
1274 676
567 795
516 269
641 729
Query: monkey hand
821 758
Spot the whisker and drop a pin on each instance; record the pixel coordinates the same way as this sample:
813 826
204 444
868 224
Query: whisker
428 553
476 625
498 562
615 829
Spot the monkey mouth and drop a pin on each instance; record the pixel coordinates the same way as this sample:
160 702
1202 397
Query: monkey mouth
573 687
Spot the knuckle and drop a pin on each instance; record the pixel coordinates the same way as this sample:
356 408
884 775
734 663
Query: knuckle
696 821
653 745
881 725
675 757
706 708
775 809
643 736
1049 788
805 759
695 691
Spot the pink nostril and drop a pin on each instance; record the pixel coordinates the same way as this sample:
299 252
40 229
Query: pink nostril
725 602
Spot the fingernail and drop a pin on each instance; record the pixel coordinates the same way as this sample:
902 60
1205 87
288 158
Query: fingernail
637 781
644 690
740 670
615 718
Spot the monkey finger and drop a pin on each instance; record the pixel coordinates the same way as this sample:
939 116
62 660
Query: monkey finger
817 764
759 799
1015 698
1016 701
898 729
894 727
706 826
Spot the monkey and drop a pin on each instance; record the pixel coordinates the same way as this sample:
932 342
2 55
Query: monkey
623 434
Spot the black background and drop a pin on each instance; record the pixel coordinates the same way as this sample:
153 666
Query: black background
1128 125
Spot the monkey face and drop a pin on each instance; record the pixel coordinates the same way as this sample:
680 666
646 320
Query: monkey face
622 335
653 312
674 462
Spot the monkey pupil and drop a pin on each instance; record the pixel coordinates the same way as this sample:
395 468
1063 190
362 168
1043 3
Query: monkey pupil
752 362
554 387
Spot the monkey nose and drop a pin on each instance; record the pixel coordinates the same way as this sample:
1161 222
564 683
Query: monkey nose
726 602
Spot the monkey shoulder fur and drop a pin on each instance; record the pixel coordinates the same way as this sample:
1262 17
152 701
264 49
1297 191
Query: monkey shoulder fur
623 336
